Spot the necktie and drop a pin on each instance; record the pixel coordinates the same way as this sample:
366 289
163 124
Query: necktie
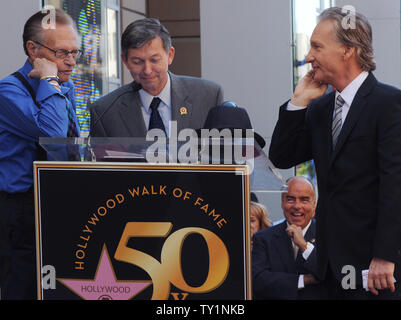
337 119
72 129
156 121
296 248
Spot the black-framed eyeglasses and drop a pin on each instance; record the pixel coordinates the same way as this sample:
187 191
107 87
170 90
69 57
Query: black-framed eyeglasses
62 53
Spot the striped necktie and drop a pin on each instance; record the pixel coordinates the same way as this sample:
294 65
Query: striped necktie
72 129
337 119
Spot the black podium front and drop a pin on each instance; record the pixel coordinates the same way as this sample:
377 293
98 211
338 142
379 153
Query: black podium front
134 230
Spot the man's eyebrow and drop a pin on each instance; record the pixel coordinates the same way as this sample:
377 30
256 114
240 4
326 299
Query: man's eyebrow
156 55
315 43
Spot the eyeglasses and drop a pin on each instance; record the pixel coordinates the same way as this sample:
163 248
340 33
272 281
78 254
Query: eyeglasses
62 53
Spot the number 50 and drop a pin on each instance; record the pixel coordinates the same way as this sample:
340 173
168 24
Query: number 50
169 270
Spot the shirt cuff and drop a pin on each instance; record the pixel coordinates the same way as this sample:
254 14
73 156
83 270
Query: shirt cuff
45 90
291 107
301 283
308 251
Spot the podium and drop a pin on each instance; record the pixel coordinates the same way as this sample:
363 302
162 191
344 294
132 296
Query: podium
113 224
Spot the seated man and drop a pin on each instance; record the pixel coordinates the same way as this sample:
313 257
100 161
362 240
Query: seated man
283 256
156 96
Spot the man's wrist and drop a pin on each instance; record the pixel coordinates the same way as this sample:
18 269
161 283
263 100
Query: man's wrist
304 246
298 101
51 78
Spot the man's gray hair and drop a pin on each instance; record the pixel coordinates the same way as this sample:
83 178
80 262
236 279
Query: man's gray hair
141 31
306 179
357 35
33 29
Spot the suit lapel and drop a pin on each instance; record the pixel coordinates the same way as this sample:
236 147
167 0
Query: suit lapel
284 247
310 234
354 112
131 114
181 106
328 115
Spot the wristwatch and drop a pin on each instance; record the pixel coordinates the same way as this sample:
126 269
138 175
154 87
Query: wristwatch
48 79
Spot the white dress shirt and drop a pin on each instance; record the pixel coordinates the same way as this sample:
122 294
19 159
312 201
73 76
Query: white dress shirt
164 107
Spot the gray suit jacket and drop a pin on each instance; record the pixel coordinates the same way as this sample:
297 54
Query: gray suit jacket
119 114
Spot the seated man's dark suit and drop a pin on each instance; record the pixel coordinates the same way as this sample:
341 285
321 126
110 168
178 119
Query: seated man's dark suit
119 114
275 271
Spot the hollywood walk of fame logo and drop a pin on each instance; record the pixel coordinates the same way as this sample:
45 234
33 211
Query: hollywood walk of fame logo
105 286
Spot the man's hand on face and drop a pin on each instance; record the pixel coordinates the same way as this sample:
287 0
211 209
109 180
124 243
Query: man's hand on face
295 233
308 90
43 68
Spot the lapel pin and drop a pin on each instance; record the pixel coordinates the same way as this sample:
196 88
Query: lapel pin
183 111
312 241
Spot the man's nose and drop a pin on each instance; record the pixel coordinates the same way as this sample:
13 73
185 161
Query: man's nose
70 60
297 203
147 68
309 57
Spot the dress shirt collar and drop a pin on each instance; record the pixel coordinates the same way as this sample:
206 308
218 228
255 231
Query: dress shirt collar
164 95
348 94
25 70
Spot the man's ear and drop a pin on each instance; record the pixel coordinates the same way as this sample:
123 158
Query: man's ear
348 52
283 200
32 49
314 208
171 54
124 59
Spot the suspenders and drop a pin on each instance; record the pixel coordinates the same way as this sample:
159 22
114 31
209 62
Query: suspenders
26 84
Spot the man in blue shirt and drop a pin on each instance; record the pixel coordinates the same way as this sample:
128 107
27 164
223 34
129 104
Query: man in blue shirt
37 102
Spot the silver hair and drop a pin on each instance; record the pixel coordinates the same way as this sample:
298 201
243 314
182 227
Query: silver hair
358 35
307 180
33 29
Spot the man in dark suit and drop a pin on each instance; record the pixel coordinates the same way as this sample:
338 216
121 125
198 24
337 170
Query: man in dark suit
353 135
283 256
133 109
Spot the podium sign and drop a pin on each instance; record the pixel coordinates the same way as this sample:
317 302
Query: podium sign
139 231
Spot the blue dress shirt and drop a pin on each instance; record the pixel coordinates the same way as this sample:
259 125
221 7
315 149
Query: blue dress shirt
22 123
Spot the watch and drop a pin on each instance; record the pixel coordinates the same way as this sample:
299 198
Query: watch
48 79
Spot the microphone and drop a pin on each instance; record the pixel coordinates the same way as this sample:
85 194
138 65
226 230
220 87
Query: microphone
135 87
